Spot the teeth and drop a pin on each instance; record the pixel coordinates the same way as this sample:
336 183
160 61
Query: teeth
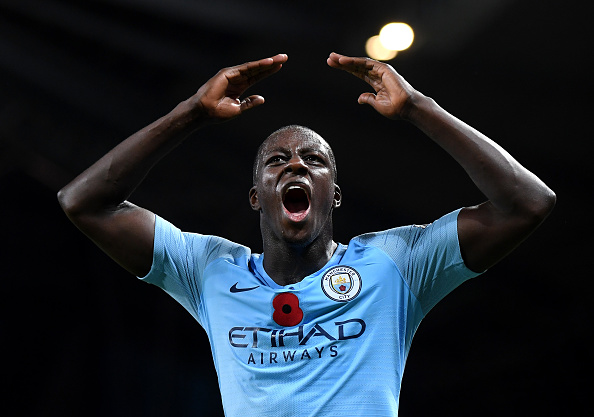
293 187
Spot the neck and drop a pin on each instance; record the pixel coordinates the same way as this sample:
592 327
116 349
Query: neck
287 263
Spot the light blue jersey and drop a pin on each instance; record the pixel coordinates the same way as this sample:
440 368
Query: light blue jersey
334 344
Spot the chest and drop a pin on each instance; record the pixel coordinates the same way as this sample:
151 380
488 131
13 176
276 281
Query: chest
337 303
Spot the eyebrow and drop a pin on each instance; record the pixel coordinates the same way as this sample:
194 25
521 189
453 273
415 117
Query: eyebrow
322 150
275 149
310 149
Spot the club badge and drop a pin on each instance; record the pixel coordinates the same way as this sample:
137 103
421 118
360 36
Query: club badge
341 283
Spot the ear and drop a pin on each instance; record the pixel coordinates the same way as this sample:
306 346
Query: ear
254 199
337 196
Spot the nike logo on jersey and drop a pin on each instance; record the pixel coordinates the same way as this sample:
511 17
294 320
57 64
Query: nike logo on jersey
234 288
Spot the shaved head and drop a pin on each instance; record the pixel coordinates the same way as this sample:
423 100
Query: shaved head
295 131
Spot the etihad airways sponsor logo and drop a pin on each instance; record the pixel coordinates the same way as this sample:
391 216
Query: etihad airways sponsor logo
300 337
294 355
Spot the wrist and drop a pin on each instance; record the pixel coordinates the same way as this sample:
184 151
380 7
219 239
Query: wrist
416 105
180 122
194 110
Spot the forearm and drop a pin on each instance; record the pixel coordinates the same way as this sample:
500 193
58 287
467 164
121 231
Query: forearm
506 183
517 200
109 182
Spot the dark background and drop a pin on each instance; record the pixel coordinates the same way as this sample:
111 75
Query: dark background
80 336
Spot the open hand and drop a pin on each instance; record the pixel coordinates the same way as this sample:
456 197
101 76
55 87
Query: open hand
219 99
392 92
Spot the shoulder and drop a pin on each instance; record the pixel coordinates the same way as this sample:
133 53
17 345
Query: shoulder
401 236
415 237
208 247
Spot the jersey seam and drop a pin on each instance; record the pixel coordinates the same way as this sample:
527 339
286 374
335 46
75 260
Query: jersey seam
385 254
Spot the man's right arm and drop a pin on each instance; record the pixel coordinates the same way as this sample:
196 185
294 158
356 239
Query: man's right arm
96 200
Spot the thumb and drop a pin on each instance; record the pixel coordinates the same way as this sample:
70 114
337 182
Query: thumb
367 98
251 102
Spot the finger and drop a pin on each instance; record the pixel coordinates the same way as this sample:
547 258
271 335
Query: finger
371 99
251 102
241 81
364 68
254 67
280 58
252 72
349 63
367 98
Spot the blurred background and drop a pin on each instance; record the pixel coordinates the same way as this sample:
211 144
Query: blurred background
81 336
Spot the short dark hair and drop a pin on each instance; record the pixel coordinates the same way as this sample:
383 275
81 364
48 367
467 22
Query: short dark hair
260 151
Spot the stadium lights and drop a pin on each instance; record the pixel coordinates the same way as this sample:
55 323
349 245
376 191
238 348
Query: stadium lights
393 37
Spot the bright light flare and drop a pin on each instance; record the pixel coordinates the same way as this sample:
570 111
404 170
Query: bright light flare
377 51
396 36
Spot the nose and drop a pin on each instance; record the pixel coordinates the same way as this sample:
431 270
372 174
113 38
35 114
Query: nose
296 166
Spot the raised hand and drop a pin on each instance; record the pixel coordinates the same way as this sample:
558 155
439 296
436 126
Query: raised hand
219 98
392 92
96 201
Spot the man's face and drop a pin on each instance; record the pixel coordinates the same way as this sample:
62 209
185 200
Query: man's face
295 190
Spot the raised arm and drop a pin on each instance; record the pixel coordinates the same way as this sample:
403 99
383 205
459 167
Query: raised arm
518 201
96 200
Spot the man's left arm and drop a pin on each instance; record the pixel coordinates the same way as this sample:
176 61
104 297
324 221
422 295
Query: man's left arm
518 201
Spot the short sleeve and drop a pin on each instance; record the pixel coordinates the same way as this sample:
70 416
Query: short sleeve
427 256
180 259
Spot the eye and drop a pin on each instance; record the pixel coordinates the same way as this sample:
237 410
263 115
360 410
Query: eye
313 159
273 160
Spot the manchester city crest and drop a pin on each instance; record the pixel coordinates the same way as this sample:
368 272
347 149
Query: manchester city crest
341 283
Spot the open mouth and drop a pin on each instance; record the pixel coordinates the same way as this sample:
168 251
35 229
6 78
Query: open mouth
296 203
